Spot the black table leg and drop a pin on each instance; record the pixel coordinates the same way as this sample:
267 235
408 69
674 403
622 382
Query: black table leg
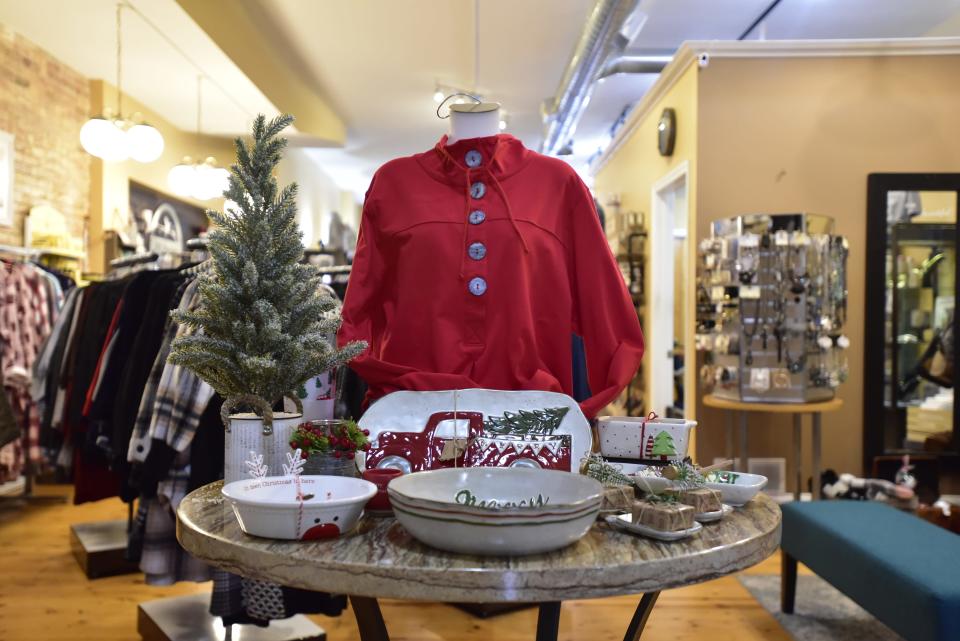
548 621
788 581
639 620
369 619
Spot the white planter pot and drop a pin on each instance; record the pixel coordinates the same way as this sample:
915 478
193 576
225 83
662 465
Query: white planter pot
664 439
246 435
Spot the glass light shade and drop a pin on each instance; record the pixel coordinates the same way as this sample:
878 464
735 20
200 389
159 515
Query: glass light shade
91 135
222 181
201 181
144 143
204 187
115 144
182 178
104 139
212 181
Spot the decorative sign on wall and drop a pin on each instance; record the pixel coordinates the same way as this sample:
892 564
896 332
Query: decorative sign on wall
6 179
161 223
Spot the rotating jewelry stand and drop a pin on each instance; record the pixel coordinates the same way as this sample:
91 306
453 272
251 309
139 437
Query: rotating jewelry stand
772 322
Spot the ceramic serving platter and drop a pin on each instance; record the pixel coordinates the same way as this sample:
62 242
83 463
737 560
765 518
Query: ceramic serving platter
624 523
711 517
410 412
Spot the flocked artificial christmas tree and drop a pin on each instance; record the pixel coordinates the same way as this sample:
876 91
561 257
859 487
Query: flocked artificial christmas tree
263 324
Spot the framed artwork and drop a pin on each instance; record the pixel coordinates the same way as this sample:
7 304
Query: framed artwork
161 223
6 179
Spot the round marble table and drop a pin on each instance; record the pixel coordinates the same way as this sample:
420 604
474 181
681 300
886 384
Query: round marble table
380 559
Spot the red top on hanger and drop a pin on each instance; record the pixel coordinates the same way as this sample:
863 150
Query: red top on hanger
475 263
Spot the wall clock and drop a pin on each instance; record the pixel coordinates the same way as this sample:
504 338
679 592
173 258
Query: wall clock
667 131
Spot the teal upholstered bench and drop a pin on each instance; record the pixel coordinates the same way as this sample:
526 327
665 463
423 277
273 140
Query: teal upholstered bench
901 569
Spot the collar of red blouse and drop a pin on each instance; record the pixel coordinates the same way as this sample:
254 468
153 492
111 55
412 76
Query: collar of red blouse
502 156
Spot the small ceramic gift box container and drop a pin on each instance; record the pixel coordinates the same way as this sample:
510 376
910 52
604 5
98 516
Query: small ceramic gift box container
659 439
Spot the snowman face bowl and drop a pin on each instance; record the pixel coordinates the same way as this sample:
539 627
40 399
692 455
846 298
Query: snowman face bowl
269 507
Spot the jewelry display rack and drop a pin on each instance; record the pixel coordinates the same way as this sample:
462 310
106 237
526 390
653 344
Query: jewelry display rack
773 300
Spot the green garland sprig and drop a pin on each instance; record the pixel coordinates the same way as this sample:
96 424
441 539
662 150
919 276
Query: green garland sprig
595 467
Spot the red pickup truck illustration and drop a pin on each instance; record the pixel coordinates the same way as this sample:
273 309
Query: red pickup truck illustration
418 451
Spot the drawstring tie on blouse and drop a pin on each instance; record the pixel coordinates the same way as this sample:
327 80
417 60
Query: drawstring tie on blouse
468 177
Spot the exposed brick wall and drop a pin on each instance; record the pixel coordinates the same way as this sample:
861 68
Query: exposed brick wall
43 103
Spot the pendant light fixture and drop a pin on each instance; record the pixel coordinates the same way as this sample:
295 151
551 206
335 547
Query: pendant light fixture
196 179
113 137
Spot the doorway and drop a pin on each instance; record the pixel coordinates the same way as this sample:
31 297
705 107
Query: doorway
668 283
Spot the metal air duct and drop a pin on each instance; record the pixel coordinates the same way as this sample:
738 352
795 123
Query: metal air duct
601 39
628 63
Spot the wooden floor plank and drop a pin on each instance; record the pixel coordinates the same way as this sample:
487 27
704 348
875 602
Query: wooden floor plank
45 595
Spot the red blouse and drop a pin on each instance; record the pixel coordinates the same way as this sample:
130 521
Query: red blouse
475 263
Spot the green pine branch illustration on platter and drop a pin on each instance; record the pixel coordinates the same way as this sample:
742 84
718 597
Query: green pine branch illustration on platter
263 323
544 421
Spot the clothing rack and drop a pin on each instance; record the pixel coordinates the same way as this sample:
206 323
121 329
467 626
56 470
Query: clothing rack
335 270
135 259
21 252
29 471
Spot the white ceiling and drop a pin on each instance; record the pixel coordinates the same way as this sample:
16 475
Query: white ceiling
377 61
82 34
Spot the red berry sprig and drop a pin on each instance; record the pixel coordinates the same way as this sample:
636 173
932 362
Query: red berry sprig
340 440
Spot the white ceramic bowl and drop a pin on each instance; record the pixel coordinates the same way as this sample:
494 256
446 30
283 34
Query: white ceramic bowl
496 511
269 507
737 488
630 437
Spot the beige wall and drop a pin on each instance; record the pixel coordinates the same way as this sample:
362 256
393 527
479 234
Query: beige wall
792 134
317 195
110 182
632 172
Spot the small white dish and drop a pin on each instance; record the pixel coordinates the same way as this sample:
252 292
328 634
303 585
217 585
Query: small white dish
624 523
268 507
711 517
736 488
628 468
651 484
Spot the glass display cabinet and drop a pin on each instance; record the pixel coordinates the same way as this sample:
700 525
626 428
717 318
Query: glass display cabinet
911 291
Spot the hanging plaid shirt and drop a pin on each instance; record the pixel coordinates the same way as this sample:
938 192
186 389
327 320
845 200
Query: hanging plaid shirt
158 386
162 559
24 325
181 399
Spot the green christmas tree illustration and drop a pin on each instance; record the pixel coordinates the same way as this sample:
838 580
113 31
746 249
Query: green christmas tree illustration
663 445
543 422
